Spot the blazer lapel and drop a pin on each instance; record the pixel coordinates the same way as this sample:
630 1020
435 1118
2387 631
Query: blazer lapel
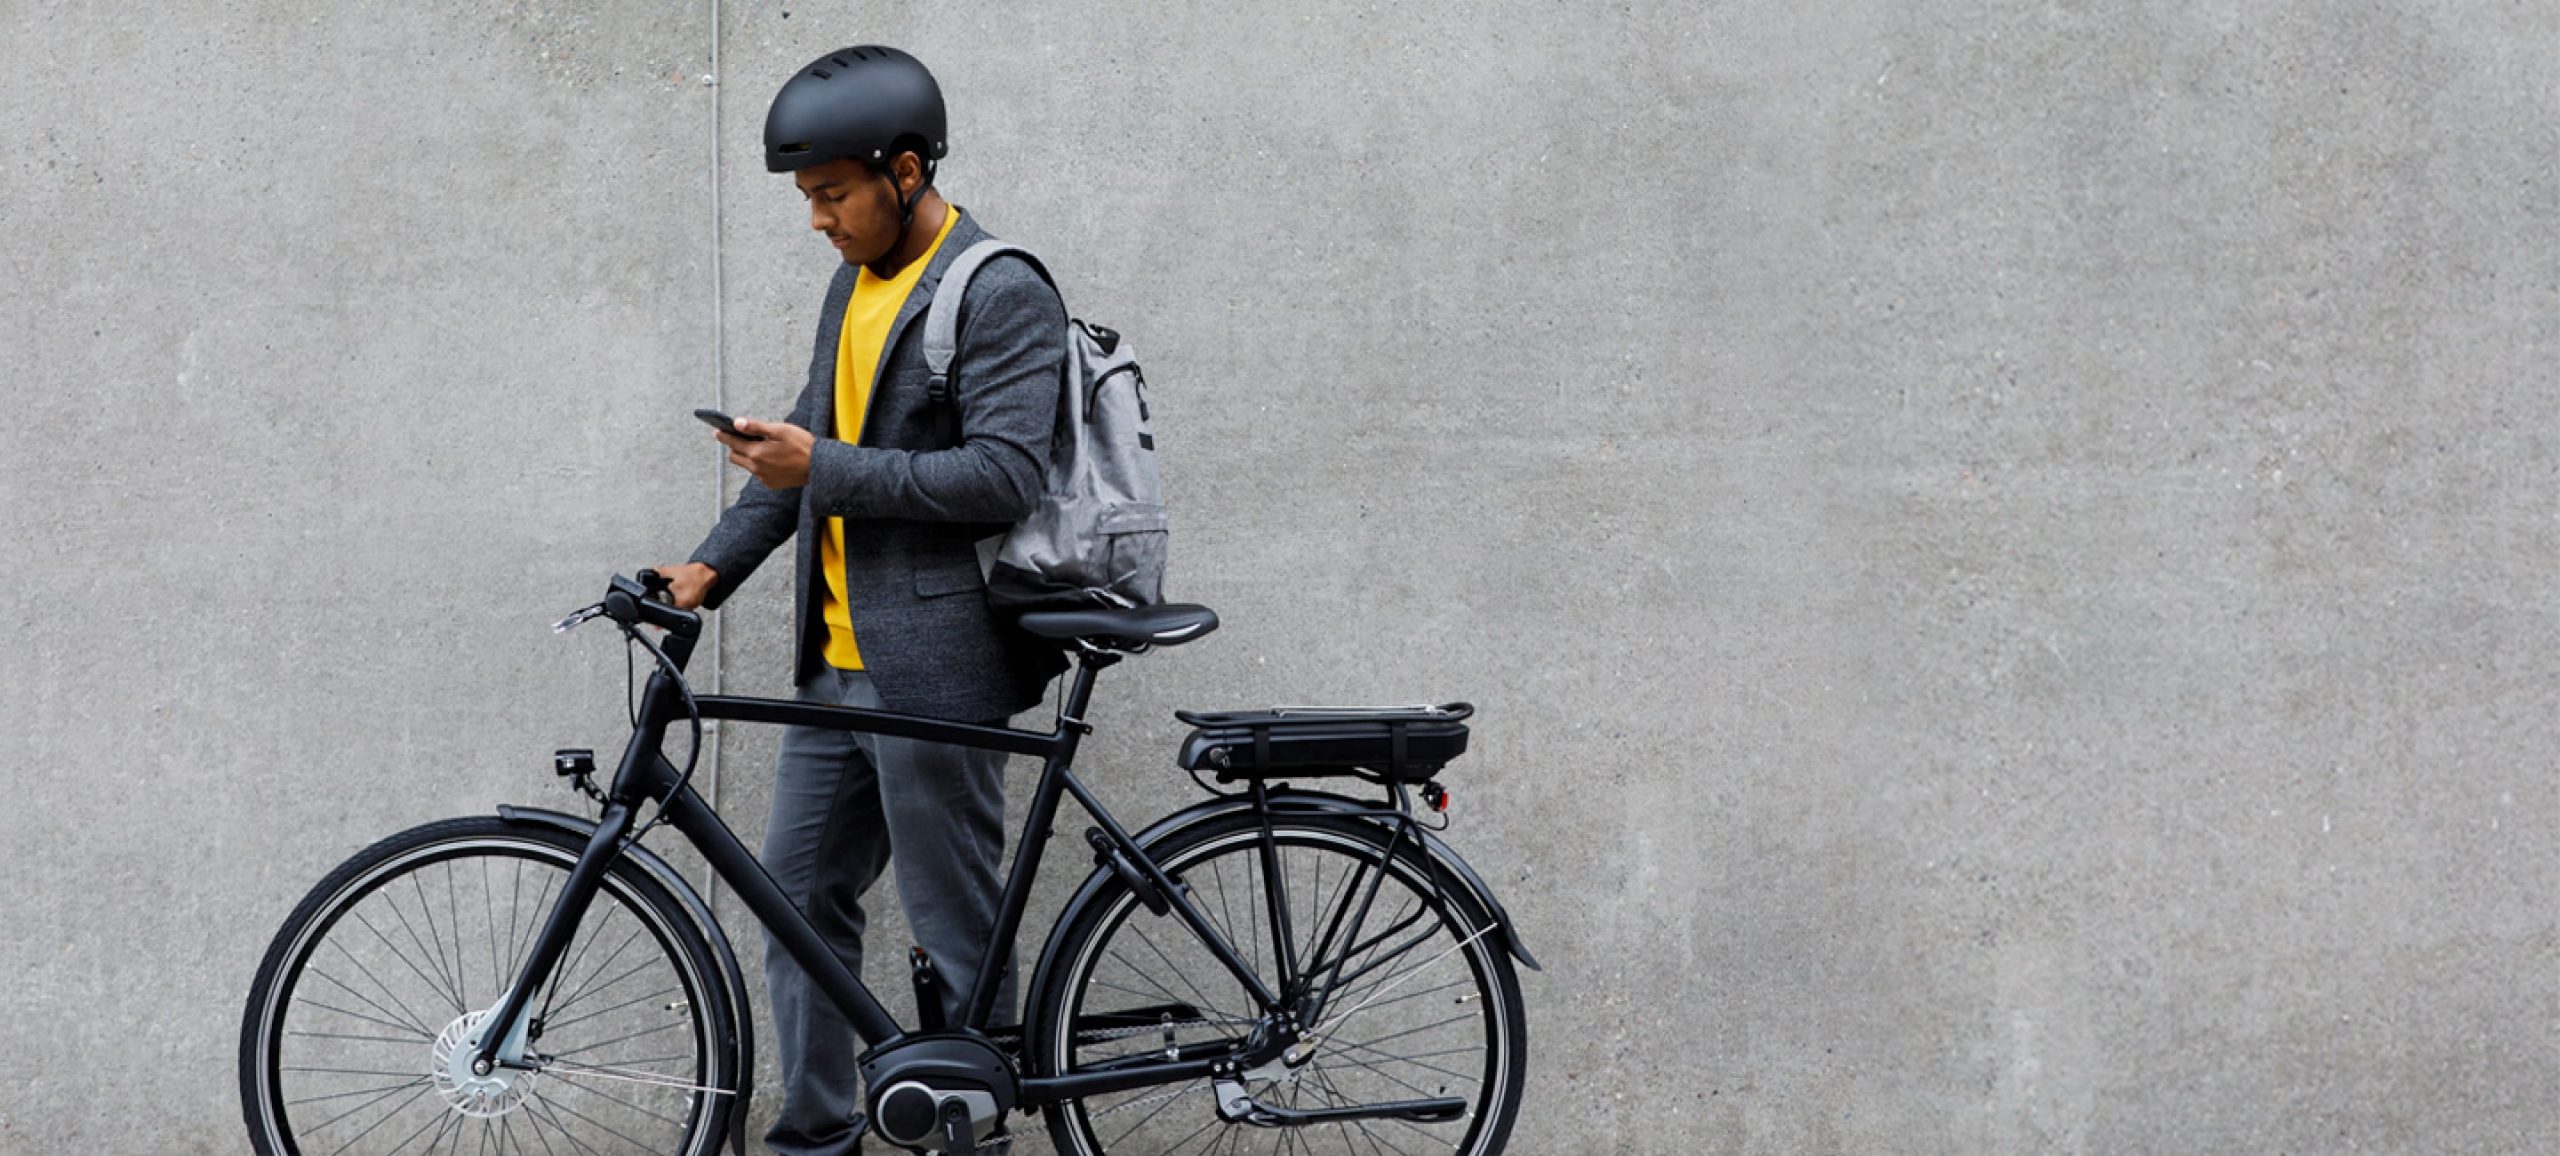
822 416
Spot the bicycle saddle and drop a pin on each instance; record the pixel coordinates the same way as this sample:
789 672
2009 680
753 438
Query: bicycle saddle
1171 624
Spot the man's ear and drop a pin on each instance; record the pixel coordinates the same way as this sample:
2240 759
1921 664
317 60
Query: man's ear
909 172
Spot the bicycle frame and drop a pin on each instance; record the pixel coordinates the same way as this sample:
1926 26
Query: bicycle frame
644 775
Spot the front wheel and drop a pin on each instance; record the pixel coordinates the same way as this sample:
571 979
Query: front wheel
379 978
1413 998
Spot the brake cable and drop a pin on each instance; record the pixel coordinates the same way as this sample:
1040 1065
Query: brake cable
693 711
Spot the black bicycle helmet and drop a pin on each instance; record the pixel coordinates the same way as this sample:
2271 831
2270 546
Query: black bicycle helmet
855 104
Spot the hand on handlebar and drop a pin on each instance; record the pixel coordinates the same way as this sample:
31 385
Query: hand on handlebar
689 584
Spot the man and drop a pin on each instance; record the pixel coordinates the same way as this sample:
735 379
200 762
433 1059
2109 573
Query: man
888 490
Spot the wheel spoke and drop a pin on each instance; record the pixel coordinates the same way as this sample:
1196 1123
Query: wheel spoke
619 1039
1419 1092
533 1124
1143 1121
452 988
1461 981
556 1105
418 1089
662 993
534 1108
1364 1045
410 1023
593 1090
1178 973
1375 927
1213 1122
1208 1014
523 949
601 988
489 915
354 1050
584 988
372 1091
1375 961
412 964
440 1121
419 1032
358 1039
453 912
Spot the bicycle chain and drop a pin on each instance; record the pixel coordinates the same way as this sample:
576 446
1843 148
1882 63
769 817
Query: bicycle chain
1098 1035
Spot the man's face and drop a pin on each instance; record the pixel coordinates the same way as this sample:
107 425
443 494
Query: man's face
855 207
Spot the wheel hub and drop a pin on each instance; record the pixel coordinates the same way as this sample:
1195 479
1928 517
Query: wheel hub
464 1090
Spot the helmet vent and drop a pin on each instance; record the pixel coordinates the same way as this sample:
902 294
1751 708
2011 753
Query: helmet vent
840 60
793 149
820 73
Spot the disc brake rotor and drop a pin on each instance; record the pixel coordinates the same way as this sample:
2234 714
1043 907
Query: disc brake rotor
495 1094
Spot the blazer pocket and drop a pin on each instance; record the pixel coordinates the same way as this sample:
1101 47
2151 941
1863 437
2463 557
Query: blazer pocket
949 578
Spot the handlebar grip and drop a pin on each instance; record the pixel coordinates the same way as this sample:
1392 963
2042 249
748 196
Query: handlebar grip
630 602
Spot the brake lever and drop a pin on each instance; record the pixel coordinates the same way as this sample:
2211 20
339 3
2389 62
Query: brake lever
578 619
659 587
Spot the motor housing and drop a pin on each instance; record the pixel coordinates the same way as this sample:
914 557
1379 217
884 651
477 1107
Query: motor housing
912 1079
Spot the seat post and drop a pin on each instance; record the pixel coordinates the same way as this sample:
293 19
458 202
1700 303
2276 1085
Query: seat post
1080 690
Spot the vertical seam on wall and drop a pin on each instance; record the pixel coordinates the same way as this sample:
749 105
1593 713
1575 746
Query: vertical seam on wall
719 401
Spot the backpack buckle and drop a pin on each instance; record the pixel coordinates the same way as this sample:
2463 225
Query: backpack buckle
937 390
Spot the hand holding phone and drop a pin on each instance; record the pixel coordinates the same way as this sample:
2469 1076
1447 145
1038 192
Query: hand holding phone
722 422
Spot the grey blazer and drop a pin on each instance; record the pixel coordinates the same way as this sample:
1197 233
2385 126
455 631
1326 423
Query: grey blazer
923 485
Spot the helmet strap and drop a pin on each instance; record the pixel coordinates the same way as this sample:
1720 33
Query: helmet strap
906 208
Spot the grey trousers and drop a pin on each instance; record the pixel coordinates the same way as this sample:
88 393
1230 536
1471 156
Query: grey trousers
844 807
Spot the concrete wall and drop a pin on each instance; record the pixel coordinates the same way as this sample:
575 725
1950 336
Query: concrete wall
2005 551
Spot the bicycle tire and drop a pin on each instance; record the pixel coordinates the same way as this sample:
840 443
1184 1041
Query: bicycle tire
337 1055
1441 1014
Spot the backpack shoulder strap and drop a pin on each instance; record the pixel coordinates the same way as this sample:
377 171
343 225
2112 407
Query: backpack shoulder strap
942 317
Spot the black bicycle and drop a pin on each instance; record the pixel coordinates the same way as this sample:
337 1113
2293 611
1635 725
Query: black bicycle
1274 969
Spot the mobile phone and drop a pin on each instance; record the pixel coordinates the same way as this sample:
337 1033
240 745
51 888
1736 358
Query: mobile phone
721 421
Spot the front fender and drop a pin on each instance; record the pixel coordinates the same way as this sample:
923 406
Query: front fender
740 1015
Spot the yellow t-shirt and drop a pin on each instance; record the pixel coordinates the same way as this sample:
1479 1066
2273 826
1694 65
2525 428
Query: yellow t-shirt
867 318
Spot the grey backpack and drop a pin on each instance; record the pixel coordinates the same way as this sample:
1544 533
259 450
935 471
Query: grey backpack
1097 538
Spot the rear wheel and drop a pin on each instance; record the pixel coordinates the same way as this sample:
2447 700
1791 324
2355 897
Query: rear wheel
1419 1000
356 1036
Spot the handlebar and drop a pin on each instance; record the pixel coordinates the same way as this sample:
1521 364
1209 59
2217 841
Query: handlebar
633 603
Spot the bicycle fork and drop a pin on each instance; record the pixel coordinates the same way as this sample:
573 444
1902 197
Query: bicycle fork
503 1038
